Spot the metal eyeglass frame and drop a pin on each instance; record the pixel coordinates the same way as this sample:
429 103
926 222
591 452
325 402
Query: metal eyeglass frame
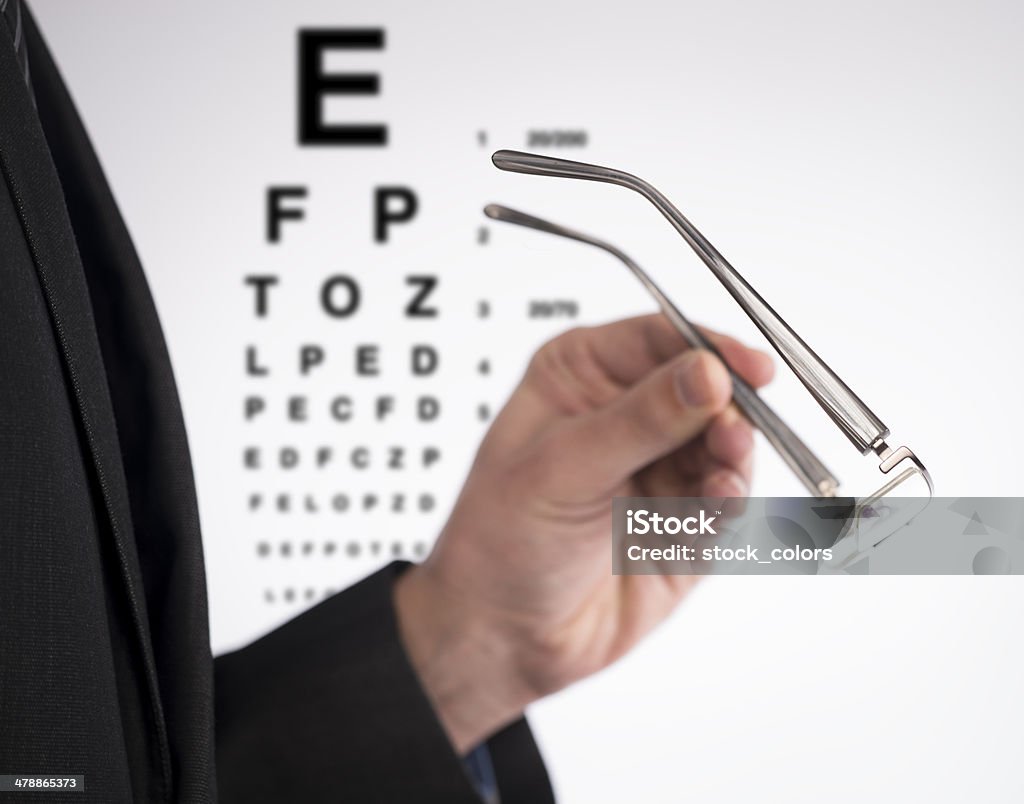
860 425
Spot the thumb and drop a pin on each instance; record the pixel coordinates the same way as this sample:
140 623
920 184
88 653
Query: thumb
668 408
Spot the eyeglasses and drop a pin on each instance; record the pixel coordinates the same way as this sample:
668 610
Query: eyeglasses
854 419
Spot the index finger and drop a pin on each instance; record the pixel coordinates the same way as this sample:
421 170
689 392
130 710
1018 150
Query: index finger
630 349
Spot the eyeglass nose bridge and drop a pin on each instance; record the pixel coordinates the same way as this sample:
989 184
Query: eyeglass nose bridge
882 514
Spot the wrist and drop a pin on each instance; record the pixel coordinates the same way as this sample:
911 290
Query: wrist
465 664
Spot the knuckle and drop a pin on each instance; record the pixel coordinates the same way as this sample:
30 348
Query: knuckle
570 338
651 417
661 411
710 372
550 358
565 350
565 368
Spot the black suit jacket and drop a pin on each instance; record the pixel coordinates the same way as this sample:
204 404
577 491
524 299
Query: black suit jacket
105 665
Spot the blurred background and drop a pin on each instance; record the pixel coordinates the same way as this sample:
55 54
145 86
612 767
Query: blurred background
859 163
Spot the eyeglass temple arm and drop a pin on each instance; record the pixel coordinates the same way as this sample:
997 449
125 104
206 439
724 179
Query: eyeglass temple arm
863 428
797 455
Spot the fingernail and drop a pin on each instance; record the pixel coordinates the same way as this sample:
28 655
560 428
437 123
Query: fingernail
693 382
738 484
726 483
740 430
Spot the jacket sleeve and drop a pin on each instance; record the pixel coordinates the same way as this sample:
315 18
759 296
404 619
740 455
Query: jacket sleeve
328 708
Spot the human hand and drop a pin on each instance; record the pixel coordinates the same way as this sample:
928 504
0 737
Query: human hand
517 599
